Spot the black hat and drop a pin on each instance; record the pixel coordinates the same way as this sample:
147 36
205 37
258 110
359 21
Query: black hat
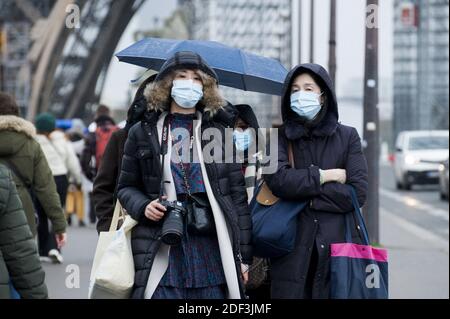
188 60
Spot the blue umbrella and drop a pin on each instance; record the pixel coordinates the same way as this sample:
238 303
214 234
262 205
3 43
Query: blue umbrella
235 68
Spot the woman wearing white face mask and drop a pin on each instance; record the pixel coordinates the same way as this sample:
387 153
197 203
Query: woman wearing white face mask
327 156
174 257
250 142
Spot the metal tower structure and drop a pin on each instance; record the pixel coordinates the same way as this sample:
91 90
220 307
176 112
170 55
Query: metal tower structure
87 54
16 22
70 44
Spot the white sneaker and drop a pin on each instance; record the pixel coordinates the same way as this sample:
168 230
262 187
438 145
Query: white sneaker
55 256
44 259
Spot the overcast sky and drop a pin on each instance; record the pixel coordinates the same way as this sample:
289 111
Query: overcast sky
117 85
350 45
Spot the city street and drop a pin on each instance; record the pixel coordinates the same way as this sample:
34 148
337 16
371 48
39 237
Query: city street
414 227
78 256
85 87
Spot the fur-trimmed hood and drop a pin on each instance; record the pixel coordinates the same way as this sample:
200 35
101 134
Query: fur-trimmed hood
158 93
17 124
15 132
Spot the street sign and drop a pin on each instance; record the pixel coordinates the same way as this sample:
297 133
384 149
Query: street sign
409 15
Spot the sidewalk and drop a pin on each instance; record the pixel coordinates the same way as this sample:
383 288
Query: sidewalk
418 260
62 280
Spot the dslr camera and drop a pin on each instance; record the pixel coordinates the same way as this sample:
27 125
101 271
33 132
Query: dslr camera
173 225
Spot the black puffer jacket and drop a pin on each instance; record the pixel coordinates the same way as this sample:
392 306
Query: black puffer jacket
139 184
19 258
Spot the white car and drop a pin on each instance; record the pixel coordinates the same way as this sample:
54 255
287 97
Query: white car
418 156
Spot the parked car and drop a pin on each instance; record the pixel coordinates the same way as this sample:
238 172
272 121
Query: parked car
443 180
418 156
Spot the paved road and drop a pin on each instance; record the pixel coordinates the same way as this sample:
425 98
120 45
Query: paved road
414 227
71 279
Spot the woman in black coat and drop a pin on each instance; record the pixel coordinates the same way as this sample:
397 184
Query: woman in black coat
184 105
328 157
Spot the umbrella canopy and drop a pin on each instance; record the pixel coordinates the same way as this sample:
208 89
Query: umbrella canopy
235 68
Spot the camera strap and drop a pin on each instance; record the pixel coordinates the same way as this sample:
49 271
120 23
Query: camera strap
164 150
165 137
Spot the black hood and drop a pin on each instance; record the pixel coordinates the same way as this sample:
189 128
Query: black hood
247 114
329 121
139 106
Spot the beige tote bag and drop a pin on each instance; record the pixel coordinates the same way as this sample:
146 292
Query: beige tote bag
112 274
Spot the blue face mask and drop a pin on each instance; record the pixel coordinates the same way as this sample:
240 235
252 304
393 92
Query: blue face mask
186 93
306 104
242 139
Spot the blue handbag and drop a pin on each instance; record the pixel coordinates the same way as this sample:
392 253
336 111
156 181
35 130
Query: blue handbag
274 221
358 271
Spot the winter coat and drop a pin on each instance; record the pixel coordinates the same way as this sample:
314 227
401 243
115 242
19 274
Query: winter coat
60 155
19 259
139 184
105 184
17 143
328 145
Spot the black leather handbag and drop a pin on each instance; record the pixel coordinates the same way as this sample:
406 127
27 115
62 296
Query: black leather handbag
200 219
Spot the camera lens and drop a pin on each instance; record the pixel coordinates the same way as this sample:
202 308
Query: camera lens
172 230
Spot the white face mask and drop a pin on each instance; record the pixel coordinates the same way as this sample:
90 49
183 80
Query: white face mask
186 93
242 139
306 104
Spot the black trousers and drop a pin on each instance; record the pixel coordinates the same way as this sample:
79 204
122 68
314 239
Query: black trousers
46 236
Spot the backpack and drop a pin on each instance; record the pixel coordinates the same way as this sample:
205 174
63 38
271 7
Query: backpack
102 137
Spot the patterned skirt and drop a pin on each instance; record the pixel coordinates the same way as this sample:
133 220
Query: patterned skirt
195 270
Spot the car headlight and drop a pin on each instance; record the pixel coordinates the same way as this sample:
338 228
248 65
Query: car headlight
441 168
411 160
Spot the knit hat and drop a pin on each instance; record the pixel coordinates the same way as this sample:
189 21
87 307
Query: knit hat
45 123
188 60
